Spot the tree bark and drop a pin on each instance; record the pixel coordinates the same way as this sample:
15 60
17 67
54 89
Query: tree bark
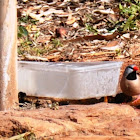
8 55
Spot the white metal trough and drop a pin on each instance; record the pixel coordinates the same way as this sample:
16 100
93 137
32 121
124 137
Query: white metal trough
81 80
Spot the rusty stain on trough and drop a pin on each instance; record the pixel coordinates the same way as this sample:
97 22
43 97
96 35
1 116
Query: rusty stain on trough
8 55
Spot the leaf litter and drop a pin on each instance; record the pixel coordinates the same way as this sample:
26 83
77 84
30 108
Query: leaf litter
78 30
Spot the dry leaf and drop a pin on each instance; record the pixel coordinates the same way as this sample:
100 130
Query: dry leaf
20 136
134 50
24 0
75 25
88 54
37 17
34 58
120 56
112 45
60 32
54 57
68 1
107 1
44 39
127 35
70 20
92 37
97 53
113 17
53 11
31 9
107 11
103 53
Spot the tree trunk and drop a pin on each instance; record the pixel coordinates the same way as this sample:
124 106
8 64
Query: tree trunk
8 54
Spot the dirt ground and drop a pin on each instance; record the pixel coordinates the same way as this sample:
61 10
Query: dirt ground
75 30
101 121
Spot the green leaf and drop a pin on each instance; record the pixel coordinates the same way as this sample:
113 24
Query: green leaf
120 6
131 18
128 23
19 35
23 31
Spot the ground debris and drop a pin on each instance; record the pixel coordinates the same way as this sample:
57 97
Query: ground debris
65 27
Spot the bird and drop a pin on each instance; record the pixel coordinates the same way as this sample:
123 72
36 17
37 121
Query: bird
130 83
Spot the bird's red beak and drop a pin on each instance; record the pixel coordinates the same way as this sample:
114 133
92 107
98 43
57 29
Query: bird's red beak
135 68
